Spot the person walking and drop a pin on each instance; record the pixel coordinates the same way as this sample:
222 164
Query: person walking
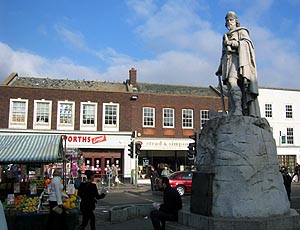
153 175
78 180
89 195
296 172
56 220
168 210
287 181
115 174
108 171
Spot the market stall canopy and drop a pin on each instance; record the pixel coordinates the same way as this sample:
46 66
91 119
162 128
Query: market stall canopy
30 148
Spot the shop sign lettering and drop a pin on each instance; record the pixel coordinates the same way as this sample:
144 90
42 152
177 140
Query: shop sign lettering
165 144
86 139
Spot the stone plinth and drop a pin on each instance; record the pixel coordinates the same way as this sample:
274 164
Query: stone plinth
241 153
288 221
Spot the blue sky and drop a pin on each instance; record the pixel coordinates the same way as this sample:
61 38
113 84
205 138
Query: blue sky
169 42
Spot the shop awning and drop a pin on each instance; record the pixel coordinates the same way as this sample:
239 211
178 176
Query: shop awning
30 148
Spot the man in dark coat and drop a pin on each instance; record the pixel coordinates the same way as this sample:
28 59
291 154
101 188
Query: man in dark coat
89 195
287 181
168 210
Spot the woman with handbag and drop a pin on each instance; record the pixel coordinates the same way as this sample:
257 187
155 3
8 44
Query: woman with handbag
57 216
89 195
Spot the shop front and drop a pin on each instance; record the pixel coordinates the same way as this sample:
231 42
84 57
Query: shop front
23 159
288 157
164 151
102 150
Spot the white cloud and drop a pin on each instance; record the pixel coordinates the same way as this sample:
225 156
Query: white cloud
28 64
75 39
142 8
185 46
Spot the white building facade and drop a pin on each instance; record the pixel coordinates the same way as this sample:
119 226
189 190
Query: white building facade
281 108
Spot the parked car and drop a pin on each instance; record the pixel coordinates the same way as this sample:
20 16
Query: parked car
182 181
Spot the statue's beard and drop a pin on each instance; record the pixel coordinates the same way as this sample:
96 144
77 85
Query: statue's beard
230 26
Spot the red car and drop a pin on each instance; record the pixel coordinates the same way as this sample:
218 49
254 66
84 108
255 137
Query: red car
182 181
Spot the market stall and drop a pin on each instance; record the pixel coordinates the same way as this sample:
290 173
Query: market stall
23 186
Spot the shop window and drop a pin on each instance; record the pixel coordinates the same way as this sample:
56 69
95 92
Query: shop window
187 119
65 115
110 117
42 114
168 118
18 113
148 117
88 116
287 161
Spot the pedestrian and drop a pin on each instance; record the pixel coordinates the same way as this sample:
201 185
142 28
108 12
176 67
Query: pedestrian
153 174
168 210
166 171
296 172
287 181
78 180
89 195
114 171
108 175
238 69
56 220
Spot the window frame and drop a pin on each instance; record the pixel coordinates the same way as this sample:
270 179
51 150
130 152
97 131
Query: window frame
42 125
149 115
111 127
268 110
290 136
15 124
187 120
66 126
171 119
88 127
202 118
289 111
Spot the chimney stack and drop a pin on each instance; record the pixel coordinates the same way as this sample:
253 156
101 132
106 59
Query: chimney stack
132 76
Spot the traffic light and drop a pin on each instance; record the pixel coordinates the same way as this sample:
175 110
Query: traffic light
138 146
192 148
131 146
134 134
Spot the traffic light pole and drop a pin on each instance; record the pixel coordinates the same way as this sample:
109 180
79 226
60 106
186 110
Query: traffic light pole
135 157
135 150
135 164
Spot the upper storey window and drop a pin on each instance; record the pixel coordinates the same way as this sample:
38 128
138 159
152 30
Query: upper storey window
187 118
42 114
168 118
88 117
110 117
268 110
18 113
204 117
289 111
148 117
65 115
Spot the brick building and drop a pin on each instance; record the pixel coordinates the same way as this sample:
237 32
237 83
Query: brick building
98 117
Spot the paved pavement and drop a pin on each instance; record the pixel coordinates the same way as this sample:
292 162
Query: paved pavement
115 198
141 194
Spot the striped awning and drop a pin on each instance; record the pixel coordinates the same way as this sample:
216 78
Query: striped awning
30 148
